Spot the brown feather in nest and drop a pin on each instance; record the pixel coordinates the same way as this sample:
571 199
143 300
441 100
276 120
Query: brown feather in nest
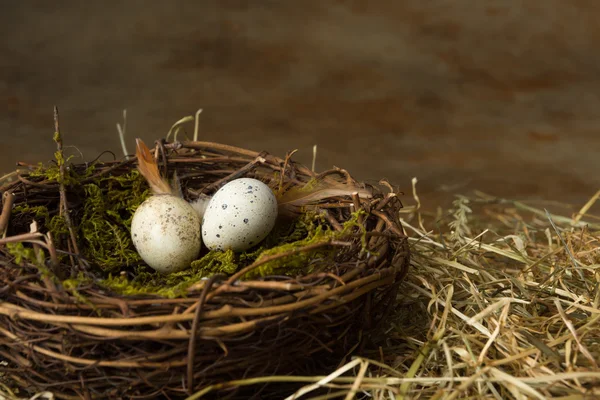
291 201
149 169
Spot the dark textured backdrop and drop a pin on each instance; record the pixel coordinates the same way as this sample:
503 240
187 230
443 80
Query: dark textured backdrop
496 95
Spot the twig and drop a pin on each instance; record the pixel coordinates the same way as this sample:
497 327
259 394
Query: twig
236 174
64 210
285 164
8 201
9 177
52 250
24 237
193 333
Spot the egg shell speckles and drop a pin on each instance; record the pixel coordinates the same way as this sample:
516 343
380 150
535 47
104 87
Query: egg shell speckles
165 231
239 215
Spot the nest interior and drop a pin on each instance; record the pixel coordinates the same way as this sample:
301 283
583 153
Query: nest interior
83 317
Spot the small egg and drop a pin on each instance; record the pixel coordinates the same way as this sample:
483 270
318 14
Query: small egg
165 231
239 215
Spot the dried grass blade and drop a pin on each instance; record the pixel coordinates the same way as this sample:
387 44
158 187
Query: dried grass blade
455 264
359 378
505 253
586 208
459 314
493 307
495 333
571 328
503 377
307 389
567 248
424 351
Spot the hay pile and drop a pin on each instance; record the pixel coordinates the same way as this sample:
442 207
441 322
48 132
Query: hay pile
502 302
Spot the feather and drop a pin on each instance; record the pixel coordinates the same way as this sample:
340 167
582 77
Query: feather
176 188
200 205
294 199
149 169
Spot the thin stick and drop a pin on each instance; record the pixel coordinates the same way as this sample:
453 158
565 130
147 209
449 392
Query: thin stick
64 210
192 343
285 164
236 174
357 207
8 201
20 238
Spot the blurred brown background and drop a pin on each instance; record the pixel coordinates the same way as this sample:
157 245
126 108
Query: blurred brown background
501 96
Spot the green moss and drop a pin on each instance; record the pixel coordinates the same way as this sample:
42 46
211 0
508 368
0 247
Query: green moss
51 172
58 226
215 262
102 225
105 227
314 232
25 253
307 230
44 172
176 284
146 281
40 213
21 253
295 263
71 285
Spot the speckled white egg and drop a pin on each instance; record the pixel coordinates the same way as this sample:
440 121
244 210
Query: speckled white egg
165 231
239 215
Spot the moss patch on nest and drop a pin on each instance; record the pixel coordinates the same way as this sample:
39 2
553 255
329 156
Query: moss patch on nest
105 226
102 225
306 230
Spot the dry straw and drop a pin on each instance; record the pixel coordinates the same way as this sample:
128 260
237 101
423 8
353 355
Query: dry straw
63 332
502 302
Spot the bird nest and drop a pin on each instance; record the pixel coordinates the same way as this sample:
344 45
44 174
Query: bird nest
82 316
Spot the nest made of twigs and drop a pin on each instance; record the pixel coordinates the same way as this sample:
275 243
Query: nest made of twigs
88 341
